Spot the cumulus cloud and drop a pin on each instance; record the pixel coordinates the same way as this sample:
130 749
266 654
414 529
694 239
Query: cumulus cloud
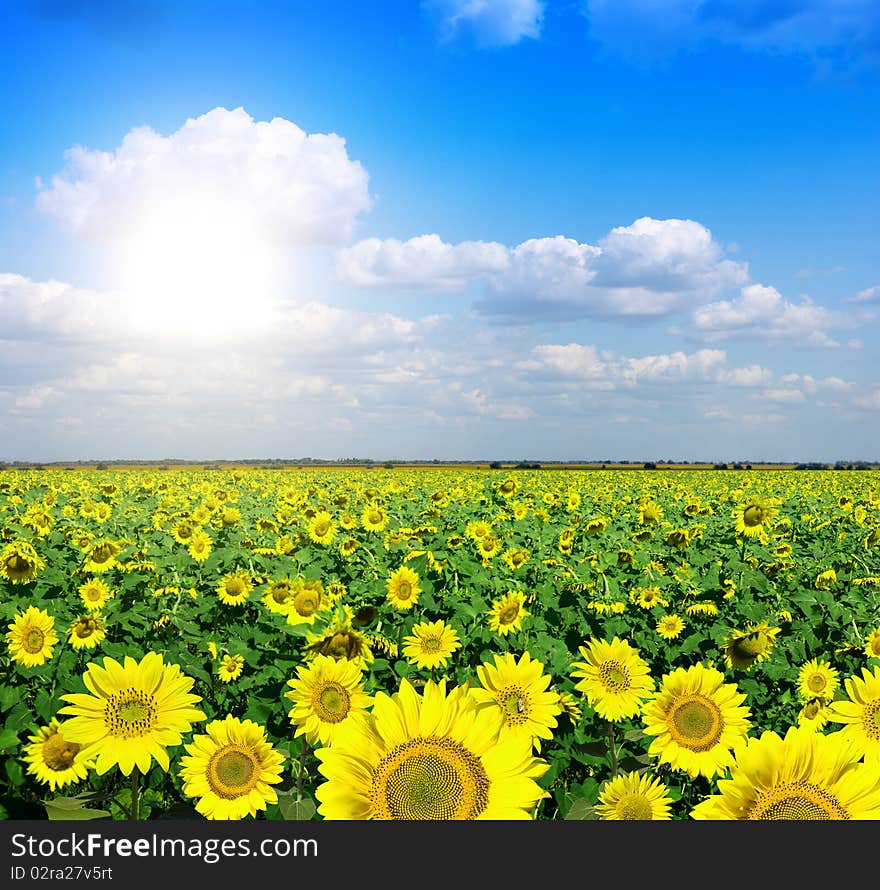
424 262
649 268
269 178
488 22
866 295
843 33
761 313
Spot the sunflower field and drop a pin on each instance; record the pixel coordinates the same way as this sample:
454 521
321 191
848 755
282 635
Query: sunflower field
373 643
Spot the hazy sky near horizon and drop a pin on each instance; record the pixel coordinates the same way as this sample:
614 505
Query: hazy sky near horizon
455 229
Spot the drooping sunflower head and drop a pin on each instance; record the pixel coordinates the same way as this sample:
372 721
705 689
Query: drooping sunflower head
803 776
231 769
20 563
278 595
744 648
53 759
306 602
696 718
86 632
817 679
31 637
325 694
614 677
634 797
434 756
339 639
814 714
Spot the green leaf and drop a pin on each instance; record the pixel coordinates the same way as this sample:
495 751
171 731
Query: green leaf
294 810
8 739
580 810
66 808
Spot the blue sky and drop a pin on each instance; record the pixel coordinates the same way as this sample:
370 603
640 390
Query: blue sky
463 229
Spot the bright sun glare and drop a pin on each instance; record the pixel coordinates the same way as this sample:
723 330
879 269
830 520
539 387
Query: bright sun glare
195 272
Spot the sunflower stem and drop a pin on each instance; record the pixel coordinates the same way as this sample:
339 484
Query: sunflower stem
613 749
135 794
299 772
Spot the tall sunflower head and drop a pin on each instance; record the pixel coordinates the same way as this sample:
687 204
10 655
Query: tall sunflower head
508 612
520 691
431 644
614 677
131 713
31 637
435 756
634 797
54 760
695 719
803 776
859 712
326 694
817 679
340 639
230 769
234 588
403 588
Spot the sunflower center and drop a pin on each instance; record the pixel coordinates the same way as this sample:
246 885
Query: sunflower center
634 807
797 801
375 517
872 719
515 704
695 722
85 627
280 593
340 645
235 587
812 708
430 643
333 703
102 553
322 526
130 713
875 645
92 594
614 676
18 566
306 603
753 515
404 590
429 778
33 640
817 683
508 614
59 754
233 771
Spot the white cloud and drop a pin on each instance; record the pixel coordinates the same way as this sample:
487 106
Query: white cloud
423 262
268 178
783 395
490 22
646 269
761 313
867 295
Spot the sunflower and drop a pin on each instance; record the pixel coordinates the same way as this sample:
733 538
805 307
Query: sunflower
695 718
101 555
519 691
648 597
340 640
634 797
488 546
814 713
200 545
817 679
31 637
374 518
507 613
86 632
430 644
403 588
432 756
53 759
132 713
20 563
326 695
753 516
860 712
348 547
322 529
234 588
278 595
805 776
744 648
670 626
230 668
614 678
872 644
707 609
650 513
307 601
230 768
826 580
570 706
